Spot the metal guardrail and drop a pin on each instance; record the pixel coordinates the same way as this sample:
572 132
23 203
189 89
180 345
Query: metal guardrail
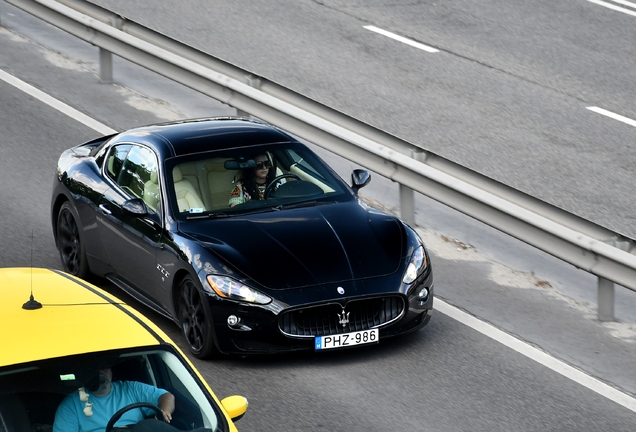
579 242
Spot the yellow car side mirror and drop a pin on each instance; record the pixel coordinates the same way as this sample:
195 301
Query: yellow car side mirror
235 406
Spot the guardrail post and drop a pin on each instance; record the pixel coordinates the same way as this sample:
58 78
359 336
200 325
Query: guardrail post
407 195
605 299
105 66
407 205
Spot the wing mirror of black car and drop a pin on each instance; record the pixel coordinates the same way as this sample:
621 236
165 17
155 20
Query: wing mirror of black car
359 179
135 206
238 164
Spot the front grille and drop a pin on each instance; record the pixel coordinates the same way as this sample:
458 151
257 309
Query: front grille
325 319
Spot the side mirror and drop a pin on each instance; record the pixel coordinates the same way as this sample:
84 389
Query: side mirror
360 178
135 206
235 406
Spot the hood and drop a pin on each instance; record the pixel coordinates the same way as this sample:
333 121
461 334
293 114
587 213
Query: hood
308 246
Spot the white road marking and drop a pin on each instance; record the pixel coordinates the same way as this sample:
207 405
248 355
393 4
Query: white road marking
537 355
57 104
612 115
625 3
617 8
402 39
484 328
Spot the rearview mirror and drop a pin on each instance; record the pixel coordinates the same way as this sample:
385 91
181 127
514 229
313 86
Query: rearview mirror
238 164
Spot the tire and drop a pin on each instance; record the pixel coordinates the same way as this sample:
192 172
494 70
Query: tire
70 245
196 320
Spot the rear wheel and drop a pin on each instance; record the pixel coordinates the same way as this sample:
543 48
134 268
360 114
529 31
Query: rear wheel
69 243
196 320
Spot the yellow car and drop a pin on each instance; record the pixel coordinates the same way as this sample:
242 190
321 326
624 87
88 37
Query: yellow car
60 333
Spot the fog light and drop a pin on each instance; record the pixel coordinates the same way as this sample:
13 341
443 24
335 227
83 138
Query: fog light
233 320
423 294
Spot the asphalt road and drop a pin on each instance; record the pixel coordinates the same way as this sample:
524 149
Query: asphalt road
446 377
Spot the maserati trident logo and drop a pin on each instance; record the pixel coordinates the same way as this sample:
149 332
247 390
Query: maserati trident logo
340 290
343 318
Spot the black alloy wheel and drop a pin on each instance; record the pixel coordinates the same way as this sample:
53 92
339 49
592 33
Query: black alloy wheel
69 243
196 320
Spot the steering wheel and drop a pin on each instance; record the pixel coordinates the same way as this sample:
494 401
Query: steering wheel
271 187
132 406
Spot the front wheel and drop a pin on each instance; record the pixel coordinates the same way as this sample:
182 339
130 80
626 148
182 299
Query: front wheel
196 320
69 243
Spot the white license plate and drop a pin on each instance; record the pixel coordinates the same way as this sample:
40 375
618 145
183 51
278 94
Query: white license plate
347 339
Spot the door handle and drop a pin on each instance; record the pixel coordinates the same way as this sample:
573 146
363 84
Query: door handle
104 209
151 222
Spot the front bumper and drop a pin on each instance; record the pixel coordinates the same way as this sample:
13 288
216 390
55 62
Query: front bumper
266 330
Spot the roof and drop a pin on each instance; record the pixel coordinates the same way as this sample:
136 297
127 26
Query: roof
75 318
197 135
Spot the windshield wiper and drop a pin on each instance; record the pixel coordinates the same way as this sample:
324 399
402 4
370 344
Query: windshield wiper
299 205
209 216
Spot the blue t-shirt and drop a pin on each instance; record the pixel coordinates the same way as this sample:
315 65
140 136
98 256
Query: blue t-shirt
70 415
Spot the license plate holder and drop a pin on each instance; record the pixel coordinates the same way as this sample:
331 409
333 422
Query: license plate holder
344 340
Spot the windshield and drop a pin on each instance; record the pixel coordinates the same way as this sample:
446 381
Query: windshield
30 394
262 178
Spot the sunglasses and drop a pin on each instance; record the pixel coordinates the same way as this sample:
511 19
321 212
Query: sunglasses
263 165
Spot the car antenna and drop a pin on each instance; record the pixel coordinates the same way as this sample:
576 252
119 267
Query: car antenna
32 304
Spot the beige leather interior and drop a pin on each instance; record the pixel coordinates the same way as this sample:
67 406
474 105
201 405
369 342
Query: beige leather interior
219 182
187 196
304 176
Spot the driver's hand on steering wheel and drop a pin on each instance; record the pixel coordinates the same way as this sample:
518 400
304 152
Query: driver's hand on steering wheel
166 416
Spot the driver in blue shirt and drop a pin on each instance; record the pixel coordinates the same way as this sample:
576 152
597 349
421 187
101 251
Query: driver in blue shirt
86 410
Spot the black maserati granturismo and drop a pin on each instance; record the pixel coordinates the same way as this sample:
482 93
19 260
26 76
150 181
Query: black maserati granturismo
298 262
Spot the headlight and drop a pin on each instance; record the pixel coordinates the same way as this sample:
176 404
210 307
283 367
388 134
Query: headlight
416 265
232 289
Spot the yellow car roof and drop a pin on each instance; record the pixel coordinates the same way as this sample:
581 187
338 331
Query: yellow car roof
76 317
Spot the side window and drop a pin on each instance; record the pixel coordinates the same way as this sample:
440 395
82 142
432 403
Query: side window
303 164
116 159
139 176
136 173
310 169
